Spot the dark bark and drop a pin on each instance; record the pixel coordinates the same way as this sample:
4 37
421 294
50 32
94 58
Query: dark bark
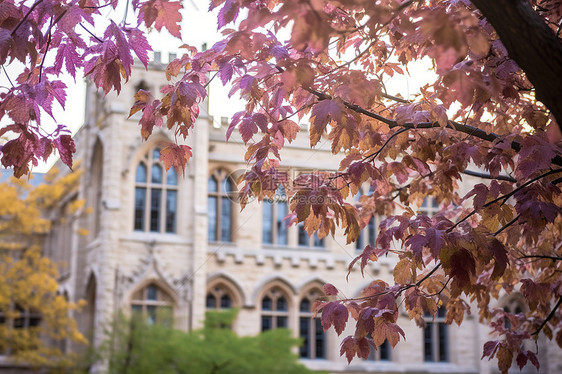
532 45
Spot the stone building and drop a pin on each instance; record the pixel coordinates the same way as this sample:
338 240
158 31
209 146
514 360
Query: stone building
158 240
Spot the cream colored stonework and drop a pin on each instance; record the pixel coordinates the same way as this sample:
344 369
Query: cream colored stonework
114 261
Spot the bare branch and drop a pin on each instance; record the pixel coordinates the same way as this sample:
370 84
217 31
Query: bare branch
488 176
549 317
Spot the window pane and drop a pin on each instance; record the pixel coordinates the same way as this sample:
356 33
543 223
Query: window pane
151 293
372 227
304 239
156 154
156 174
212 215
267 222
151 314
140 201
360 240
282 322
171 207
226 213
211 302
225 302
305 305
282 211
282 305
227 186
320 339
317 241
266 303
385 350
212 184
427 342
442 342
155 207
171 177
304 333
266 323
141 173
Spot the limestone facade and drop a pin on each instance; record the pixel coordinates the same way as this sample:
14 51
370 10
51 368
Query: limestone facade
117 267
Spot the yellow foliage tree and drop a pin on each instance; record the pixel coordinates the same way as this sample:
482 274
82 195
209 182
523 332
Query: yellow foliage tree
34 317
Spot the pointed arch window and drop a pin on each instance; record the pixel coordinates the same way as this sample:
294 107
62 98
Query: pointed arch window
156 195
274 310
218 298
310 329
153 304
219 206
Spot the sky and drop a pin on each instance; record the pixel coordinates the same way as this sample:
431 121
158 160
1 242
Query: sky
198 27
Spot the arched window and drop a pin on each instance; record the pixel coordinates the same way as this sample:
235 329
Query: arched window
435 337
310 329
153 304
274 228
274 310
156 195
219 206
218 298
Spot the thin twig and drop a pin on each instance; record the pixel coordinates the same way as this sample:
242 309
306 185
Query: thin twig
553 258
507 225
504 197
375 154
89 32
25 17
549 317
7 76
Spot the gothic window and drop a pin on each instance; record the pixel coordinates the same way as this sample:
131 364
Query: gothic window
218 298
274 310
310 330
219 207
156 195
153 304
435 337
309 241
274 228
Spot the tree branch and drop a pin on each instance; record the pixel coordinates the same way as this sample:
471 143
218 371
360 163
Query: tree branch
466 129
507 225
488 176
504 197
549 317
553 258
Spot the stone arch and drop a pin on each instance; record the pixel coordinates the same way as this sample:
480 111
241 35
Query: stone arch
313 281
235 288
271 281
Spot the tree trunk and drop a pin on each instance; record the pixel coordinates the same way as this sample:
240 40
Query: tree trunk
532 45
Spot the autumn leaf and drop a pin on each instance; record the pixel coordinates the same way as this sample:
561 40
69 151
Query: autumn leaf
175 156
